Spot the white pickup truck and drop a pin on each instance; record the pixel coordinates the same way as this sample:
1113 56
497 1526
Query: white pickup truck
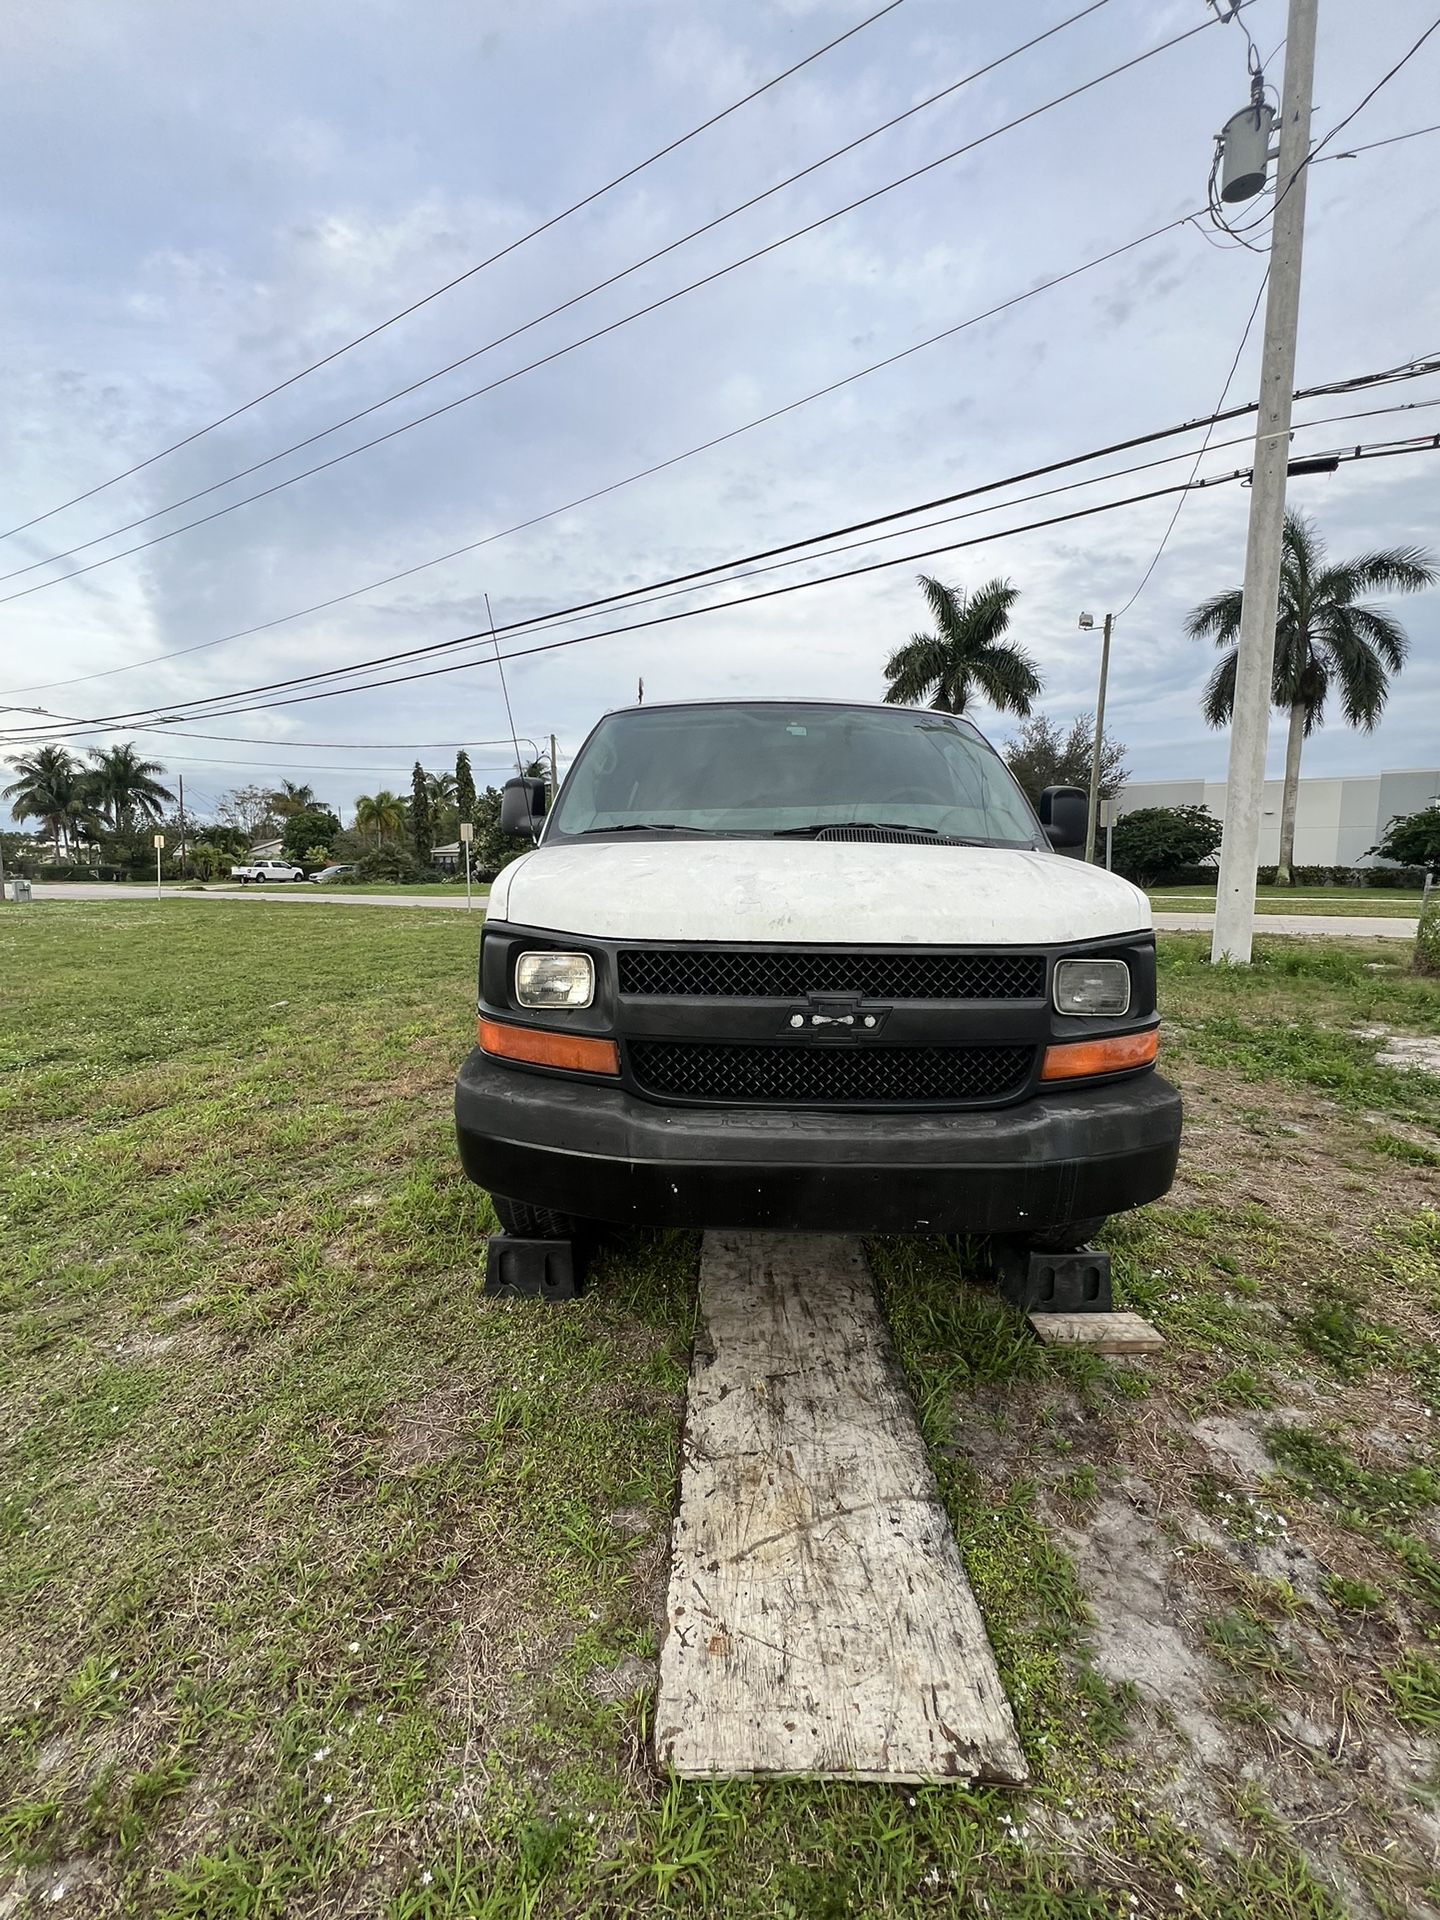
257 870
810 965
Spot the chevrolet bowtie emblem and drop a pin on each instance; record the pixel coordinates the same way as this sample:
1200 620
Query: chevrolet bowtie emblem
842 1016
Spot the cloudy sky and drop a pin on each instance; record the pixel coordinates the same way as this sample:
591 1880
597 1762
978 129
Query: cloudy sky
201 201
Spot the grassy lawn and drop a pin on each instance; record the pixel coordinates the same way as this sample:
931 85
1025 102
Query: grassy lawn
1376 902
328 1589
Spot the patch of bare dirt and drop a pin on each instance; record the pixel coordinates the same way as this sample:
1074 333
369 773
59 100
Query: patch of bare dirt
1290 1161
508 1643
1316 1737
622 1681
437 1426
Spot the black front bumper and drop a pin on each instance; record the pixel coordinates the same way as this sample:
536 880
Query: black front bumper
597 1151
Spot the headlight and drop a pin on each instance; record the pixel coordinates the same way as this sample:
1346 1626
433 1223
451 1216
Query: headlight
1092 986
554 980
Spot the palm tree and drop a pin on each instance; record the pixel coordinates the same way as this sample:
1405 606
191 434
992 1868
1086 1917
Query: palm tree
1324 633
51 788
123 785
382 814
48 790
966 655
291 799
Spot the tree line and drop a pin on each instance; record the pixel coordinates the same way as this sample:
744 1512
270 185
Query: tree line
98 813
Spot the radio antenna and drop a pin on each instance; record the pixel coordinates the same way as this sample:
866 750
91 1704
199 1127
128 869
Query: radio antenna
509 711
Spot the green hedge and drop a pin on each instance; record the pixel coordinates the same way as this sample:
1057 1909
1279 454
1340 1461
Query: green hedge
1391 877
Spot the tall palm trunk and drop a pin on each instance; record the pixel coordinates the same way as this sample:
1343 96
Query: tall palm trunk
1290 797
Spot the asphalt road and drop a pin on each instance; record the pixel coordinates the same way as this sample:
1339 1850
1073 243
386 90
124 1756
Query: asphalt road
296 891
1353 926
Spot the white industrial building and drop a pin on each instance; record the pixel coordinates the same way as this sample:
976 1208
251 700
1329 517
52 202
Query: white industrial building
1336 821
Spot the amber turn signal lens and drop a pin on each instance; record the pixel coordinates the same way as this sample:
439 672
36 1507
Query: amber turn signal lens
1079 1059
576 1052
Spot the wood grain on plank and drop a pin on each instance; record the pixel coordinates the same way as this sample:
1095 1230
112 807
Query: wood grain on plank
1104 1332
820 1620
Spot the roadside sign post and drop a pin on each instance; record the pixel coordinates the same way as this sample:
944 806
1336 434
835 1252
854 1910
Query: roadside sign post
467 834
1107 821
159 844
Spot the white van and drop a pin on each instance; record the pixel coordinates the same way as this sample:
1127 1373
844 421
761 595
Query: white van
803 964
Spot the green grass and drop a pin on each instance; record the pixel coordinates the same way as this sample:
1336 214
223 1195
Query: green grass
1294 1017
1375 902
311 1560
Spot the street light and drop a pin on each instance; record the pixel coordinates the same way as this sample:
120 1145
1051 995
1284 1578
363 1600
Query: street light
1087 625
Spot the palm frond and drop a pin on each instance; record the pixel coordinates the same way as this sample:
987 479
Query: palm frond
1385 570
1380 631
1218 700
914 670
1218 618
1006 675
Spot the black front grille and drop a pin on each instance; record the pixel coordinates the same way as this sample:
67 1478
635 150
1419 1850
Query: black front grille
823 1075
791 974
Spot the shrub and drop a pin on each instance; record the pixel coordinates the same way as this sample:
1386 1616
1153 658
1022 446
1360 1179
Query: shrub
1186 877
390 863
1156 840
1402 877
1413 838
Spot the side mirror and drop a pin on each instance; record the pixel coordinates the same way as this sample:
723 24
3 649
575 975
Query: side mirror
522 807
1065 816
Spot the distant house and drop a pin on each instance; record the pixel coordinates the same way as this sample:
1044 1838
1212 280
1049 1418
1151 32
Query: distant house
448 858
267 849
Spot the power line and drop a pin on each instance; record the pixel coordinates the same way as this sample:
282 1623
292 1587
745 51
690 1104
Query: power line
649 597
305 766
1204 444
1383 81
598 333
1429 443
644 473
469 273
1394 140
400 393
1352 384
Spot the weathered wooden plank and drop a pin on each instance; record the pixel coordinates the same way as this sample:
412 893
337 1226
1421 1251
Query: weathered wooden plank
820 1620
1103 1332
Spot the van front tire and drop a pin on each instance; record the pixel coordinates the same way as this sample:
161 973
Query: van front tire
524 1222
1069 1238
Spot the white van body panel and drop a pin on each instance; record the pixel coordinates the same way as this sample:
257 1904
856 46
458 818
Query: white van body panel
852 893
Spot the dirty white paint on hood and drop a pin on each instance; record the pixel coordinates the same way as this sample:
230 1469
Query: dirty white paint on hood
839 892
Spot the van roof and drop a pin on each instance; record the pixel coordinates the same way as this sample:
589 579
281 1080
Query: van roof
780 700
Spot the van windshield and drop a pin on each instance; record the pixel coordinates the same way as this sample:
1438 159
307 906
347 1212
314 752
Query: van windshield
778 768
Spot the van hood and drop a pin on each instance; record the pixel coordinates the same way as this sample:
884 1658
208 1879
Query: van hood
833 892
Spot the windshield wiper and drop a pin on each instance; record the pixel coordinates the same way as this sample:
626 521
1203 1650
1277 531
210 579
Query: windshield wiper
646 826
813 831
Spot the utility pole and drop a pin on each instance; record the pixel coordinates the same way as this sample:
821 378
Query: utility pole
1254 671
554 771
1093 814
182 826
